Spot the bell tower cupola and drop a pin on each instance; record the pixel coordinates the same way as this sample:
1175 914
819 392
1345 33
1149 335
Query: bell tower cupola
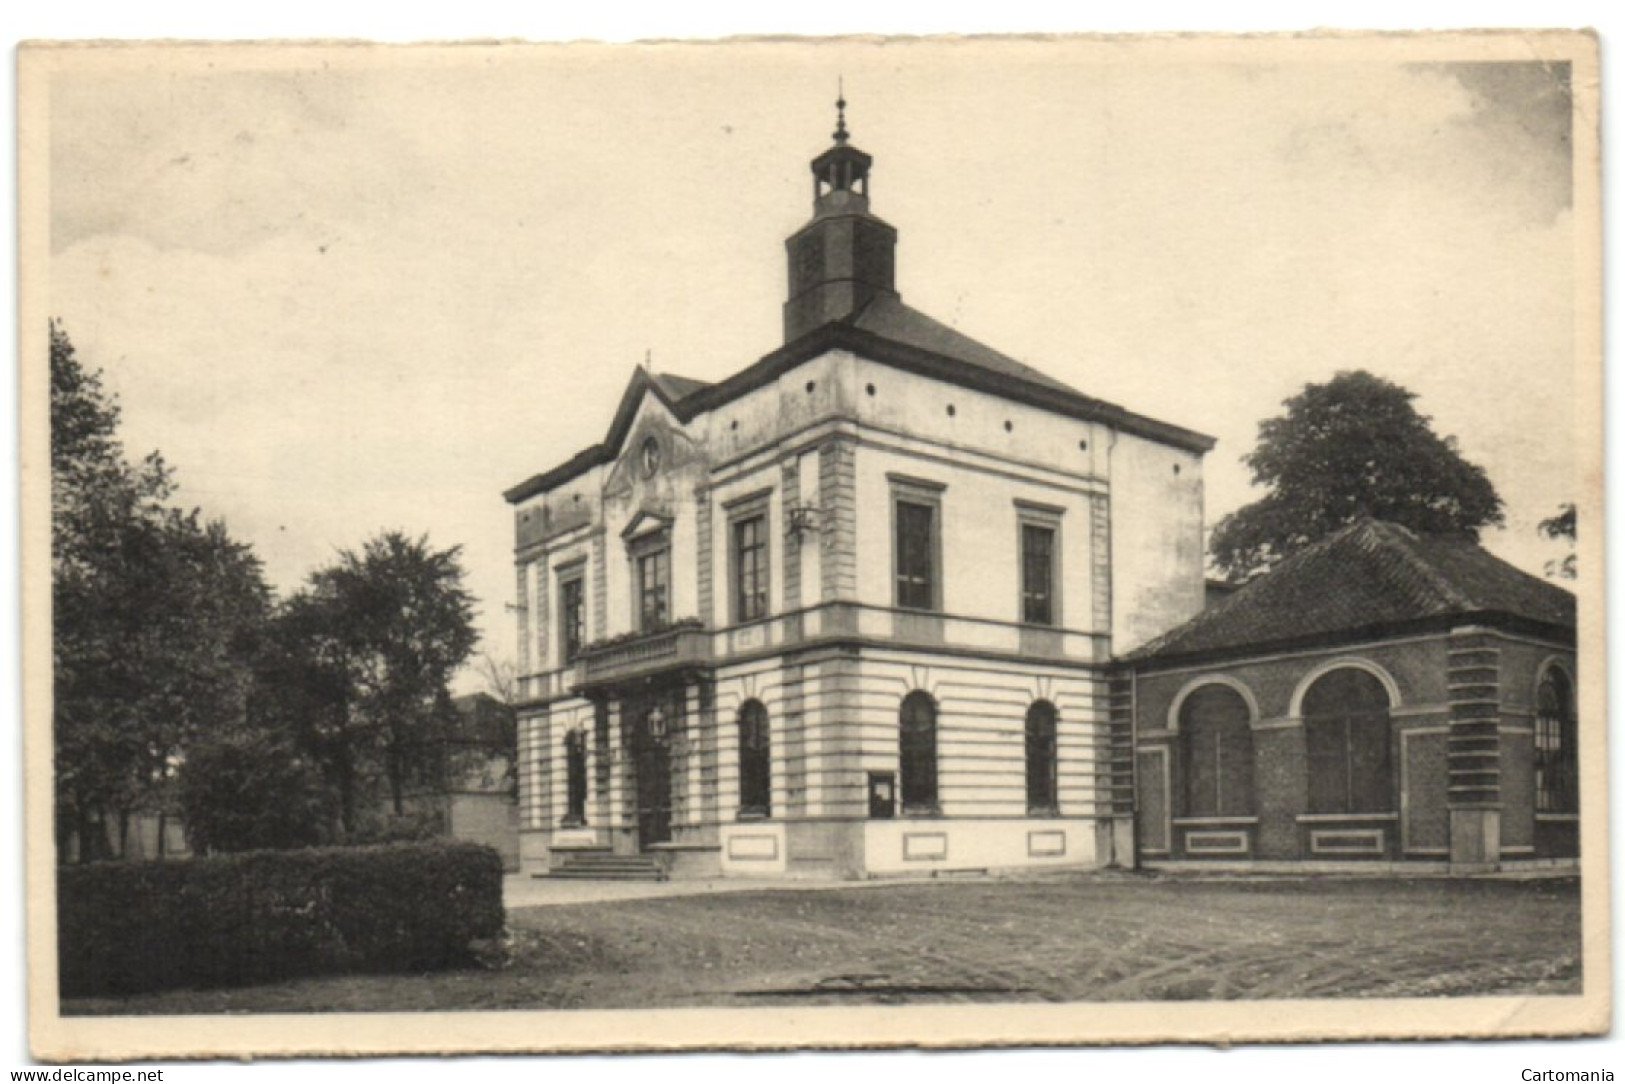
845 256
841 174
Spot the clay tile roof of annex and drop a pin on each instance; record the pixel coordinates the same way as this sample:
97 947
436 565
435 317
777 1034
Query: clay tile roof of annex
1370 577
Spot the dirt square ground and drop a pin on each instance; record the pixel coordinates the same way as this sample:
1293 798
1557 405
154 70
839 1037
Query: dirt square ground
1087 938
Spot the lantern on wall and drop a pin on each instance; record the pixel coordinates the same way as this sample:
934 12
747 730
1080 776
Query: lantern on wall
802 520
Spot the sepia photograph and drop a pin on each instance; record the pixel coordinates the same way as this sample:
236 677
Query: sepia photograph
812 543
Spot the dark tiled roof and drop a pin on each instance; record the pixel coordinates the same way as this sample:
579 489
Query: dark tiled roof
889 318
678 387
1372 575
885 331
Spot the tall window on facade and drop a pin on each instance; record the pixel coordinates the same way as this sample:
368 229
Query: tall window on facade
918 746
1345 721
750 568
1217 745
572 616
654 588
1037 574
1556 760
1041 796
575 778
916 556
755 762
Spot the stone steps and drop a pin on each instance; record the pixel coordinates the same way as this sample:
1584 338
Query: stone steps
604 866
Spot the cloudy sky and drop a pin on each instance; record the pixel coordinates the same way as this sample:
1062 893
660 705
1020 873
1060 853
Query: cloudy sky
345 291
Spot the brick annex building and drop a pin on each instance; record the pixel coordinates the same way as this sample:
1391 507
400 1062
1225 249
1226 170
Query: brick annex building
853 611
1378 696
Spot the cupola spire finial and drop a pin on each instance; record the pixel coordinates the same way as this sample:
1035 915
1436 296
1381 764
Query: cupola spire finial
840 109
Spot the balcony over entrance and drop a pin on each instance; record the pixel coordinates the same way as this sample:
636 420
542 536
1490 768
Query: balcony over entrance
667 652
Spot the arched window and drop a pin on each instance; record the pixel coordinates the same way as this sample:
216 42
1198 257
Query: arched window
575 778
755 762
1217 744
1345 723
1556 760
1041 796
918 746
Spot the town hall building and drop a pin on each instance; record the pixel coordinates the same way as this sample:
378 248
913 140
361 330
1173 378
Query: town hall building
851 611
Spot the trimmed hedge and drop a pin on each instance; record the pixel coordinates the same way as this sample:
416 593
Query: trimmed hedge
231 920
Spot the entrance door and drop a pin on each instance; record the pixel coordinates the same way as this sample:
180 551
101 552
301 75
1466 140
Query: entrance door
651 752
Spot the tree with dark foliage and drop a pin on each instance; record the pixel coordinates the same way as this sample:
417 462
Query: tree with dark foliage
350 702
103 516
367 652
1561 526
154 619
1352 447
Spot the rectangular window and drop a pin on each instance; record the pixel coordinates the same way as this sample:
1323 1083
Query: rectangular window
654 588
750 568
916 558
1037 574
572 616
1038 571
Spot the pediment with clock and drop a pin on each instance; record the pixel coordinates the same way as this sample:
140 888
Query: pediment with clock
654 454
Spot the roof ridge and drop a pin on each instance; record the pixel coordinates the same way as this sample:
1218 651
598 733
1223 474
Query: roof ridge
1243 595
1030 371
1404 540
1301 556
1208 614
1011 379
677 385
856 314
1368 576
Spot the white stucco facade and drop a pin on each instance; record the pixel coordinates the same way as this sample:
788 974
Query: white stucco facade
936 525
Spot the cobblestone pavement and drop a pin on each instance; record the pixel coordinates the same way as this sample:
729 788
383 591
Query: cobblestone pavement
1086 937
1104 938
